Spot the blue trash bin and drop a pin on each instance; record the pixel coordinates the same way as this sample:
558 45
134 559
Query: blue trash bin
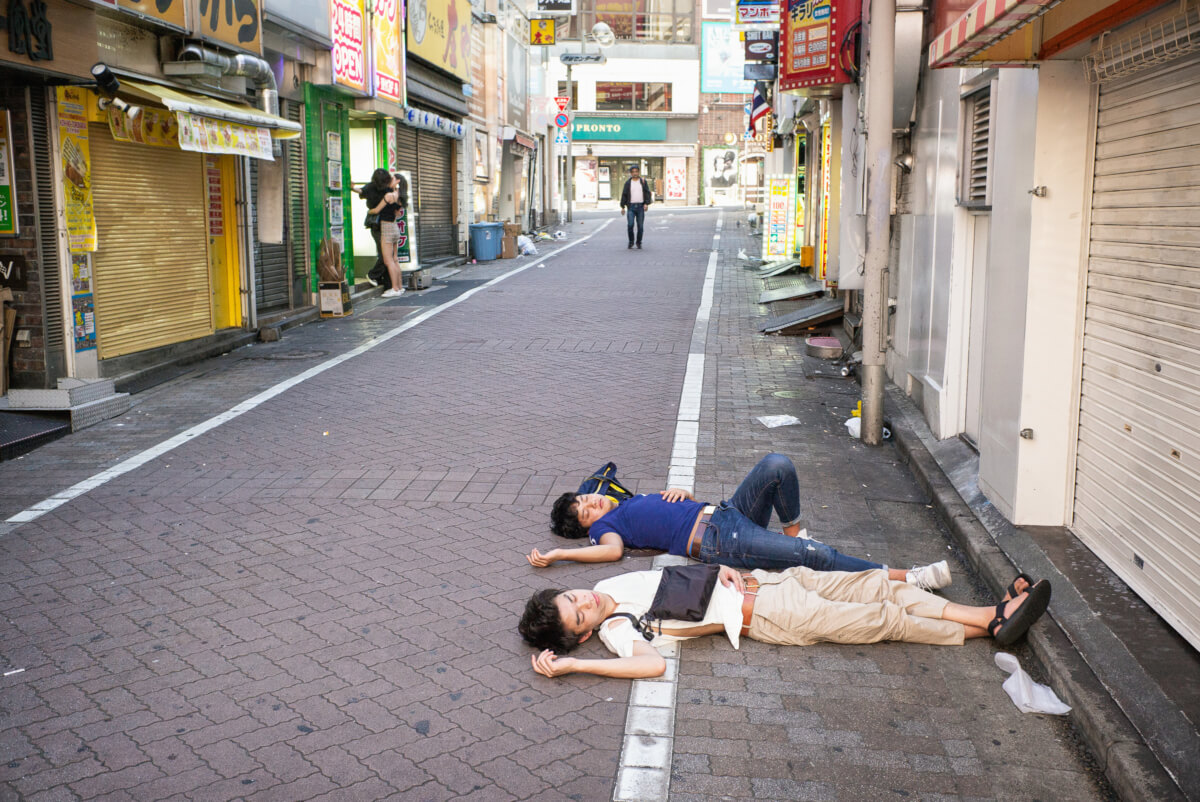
486 239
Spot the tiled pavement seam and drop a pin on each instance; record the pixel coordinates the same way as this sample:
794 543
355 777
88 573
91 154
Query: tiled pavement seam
136 461
645 768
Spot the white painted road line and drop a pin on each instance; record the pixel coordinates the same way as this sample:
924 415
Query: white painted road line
644 774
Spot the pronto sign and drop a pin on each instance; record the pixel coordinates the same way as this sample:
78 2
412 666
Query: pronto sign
652 129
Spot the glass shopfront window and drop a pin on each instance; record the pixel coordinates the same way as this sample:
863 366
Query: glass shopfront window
614 96
640 20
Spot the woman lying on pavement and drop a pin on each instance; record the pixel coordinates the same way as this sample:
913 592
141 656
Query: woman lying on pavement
730 533
797 606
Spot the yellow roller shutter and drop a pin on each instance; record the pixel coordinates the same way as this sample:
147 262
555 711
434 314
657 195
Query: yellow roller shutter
151 272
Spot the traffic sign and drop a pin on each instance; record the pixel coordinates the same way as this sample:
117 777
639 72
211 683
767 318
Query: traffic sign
582 58
563 102
562 120
561 138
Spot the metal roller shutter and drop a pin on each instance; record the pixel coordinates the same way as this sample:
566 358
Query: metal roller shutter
1136 499
47 227
436 235
270 261
151 273
297 198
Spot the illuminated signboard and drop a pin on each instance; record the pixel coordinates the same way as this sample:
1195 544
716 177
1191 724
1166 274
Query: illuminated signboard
349 51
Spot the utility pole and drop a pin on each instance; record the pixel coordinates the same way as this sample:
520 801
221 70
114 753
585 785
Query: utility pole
880 91
570 142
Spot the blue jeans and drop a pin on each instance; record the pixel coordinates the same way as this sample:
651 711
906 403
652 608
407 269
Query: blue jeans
636 212
737 535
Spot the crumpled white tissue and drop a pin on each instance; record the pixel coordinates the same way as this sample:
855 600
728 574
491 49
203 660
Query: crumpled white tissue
773 421
1027 695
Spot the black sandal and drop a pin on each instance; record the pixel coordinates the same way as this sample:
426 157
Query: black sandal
1009 629
1012 586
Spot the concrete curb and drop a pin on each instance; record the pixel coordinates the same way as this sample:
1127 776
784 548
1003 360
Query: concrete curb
1126 760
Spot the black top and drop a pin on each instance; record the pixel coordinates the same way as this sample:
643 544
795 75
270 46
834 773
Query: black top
647 196
373 195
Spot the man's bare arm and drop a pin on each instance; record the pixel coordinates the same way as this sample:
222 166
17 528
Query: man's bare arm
646 662
610 549
673 494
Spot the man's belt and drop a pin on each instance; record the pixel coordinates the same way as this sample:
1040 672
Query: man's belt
697 535
748 602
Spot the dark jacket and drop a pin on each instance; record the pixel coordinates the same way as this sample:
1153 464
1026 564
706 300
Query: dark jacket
646 193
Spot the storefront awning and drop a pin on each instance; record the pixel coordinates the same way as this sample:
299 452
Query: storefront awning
982 26
180 101
517 139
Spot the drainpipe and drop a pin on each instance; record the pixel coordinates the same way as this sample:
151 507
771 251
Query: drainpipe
880 93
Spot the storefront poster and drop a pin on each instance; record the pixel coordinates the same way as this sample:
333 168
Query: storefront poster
8 184
81 274
76 167
605 180
206 135
439 31
236 23
721 59
388 28
335 211
403 251
349 46
676 177
585 180
147 126
334 172
720 175
83 313
777 223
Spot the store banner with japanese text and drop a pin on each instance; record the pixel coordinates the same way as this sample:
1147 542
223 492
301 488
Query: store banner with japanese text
676 184
439 31
826 196
778 233
76 168
235 23
388 30
349 45
147 126
172 12
8 182
206 135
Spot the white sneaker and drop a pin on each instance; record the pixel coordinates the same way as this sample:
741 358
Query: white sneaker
930 577
392 293
372 282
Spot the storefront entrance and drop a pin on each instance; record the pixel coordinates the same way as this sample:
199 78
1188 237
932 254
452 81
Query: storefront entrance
613 171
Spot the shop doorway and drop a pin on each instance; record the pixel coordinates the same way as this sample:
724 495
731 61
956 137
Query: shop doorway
613 171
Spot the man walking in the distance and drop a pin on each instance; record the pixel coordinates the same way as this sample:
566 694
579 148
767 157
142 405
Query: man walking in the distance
635 197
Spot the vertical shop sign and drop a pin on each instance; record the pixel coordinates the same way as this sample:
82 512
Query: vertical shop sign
388 30
676 170
349 46
439 31
76 168
83 307
778 236
237 23
8 185
826 159
810 45
393 152
403 252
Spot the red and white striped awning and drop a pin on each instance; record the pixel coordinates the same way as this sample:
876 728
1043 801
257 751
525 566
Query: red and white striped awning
983 24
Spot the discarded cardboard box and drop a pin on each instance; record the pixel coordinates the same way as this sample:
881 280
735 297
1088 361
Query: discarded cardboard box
335 298
512 229
508 247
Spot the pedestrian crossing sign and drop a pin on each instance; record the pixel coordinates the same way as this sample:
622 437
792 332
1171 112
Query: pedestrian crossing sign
541 32
561 138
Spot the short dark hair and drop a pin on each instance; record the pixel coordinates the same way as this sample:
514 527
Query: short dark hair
382 179
633 167
564 521
541 625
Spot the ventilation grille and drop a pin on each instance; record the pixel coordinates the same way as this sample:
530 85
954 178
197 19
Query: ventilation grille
47 221
977 156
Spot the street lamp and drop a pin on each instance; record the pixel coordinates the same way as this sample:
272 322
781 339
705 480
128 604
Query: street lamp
604 38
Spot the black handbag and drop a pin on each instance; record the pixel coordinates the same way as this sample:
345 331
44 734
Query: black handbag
371 220
683 595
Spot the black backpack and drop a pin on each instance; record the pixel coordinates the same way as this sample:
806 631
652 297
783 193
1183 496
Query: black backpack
604 482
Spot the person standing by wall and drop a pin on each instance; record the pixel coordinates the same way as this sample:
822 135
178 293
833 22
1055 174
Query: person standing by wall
636 197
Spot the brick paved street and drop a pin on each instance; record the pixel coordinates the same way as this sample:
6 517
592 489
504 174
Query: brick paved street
318 598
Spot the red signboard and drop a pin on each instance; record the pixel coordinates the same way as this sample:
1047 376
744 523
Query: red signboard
814 49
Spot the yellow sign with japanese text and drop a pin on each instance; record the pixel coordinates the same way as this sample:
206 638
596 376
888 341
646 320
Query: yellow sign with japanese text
172 12
541 32
388 27
439 31
76 168
236 23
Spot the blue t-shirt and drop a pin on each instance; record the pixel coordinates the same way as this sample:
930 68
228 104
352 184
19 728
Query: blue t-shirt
650 522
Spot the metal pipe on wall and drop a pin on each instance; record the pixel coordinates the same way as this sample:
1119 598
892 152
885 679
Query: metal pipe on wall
880 94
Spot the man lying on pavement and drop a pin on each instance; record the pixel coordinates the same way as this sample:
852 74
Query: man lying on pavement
797 606
730 533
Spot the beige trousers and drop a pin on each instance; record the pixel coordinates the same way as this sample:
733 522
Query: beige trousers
800 607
